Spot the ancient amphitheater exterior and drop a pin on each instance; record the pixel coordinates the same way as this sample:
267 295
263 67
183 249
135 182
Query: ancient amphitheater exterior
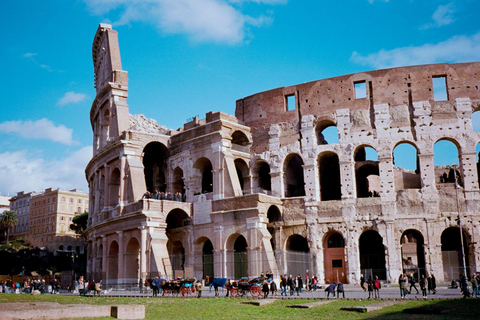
264 191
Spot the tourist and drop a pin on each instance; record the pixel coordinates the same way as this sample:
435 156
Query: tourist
298 284
434 284
340 290
377 285
331 289
314 282
273 288
98 288
283 285
265 289
370 287
363 282
423 286
81 286
412 280
401 283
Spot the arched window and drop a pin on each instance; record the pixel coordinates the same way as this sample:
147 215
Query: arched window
366 172
293 175
407 173
155 157
329 169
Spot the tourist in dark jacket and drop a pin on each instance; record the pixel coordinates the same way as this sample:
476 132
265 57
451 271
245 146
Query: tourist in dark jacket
340 290
265 289
331 289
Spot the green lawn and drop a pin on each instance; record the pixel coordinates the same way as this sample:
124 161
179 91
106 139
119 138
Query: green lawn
221 308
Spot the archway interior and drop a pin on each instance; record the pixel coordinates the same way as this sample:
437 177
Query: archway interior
207 178
177 218
242 173
132 261
295 184
239 138
114 195
207 259
413 255
264 178
178 181
405 160
372 255
330 185
445 159
367 174
327 135
452 253
155 157
334 258
112 261
298 258
273 215
240 258
177 258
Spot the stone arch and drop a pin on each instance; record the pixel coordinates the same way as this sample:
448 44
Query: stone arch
445 159
452 253
243 173
155 155
112 262
132 261
273 215
237 259
413 254
326 132
261 174
298 257
293 176
330 180
176 252
406 166
372 255
178 181
177 218
205 246
240 141
367 175
114 188
204 175
334 257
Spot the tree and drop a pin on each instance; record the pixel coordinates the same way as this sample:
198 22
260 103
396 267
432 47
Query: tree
79 224
9 219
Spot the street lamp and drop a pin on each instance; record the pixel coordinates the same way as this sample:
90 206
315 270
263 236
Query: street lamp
459 222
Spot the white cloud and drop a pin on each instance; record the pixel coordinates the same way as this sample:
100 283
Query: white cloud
23 171
455 49
71 97
30 56
442 16
40 129
372 1
201 20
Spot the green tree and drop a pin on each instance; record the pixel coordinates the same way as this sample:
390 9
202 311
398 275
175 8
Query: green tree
8 220
79 224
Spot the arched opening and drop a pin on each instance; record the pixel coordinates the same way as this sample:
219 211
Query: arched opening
273 215
178 181
293 176
240 141
114 195
372 255
177 218
177 258
452 253
445 159
132 261
155 157
298 259
367 174
407 173
326 132
207 259
203 175
334 258
264 179
99 261
413 255
112 262
240 257
243 174
329 168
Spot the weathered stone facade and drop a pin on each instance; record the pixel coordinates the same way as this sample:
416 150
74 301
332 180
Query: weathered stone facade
264 191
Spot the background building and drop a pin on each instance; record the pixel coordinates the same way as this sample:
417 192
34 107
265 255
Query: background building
21 205
269 190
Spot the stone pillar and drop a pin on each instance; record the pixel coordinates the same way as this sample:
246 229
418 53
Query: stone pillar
123 160
387 180
312 183
433 248
469 173
143 255
429 189
104 254
219 255
121 259
353 254
218 165
347 178
106 188
393 256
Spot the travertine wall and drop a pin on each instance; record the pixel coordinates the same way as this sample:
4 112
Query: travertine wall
259 178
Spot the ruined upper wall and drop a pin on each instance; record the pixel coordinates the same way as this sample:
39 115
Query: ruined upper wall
395 87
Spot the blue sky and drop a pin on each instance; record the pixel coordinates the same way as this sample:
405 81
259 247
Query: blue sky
187 57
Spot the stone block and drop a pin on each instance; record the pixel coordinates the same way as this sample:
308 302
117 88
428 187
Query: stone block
128 312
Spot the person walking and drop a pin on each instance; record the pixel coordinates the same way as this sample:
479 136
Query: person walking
283 285
273 288
265 289
411 280
299 284
401 283
434 284
362 282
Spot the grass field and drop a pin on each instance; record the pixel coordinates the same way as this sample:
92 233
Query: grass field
191 308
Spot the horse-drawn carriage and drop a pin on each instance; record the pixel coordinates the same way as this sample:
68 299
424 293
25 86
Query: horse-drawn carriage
246 285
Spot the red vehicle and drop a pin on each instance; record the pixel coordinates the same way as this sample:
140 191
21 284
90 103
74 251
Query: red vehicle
246 285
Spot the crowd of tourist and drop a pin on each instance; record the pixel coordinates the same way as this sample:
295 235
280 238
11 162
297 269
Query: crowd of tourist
84 287
29 286
160 195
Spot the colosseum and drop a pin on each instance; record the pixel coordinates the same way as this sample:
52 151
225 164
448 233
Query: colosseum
272 189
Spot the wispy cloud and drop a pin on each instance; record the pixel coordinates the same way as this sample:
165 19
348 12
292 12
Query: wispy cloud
22 170
202 20
40 129
31 56
441 17
372 1
456 49
70 98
